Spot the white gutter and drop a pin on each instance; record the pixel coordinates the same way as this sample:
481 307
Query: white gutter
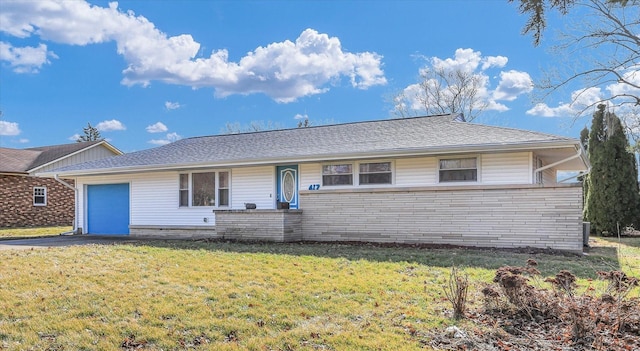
327 157
578 154
75 203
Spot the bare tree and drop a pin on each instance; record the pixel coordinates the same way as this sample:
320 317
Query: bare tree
91 133
602 50
442 91
253 126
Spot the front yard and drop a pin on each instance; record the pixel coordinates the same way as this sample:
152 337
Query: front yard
32 232
179 295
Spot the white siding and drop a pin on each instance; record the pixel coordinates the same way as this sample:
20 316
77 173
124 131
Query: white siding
549 176
253 185
505 168
417 171
153 200
309 173
94 153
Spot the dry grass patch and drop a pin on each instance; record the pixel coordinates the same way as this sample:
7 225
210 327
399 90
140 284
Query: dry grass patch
32 232
232 296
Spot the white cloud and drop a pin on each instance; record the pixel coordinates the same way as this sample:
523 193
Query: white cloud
74 137
172 105
26 59
157 128
170 137
580 99
111 125
23 141
285 70
494 61
512 84
9 128
632 76
299 116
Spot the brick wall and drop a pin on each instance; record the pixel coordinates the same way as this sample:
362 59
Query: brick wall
16 202
512 216
267 225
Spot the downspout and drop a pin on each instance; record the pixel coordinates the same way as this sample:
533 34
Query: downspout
578 154
75 204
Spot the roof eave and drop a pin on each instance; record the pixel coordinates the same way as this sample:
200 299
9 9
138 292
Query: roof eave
407 152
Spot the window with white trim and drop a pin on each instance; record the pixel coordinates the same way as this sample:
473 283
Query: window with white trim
199 189
357 173
537 163
223 188
375 173
458 170
337 174
40 196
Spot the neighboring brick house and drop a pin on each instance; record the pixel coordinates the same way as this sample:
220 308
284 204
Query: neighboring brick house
30 201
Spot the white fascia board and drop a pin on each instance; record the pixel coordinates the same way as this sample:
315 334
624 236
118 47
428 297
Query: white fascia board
324 157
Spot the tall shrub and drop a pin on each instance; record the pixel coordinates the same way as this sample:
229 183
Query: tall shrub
612 196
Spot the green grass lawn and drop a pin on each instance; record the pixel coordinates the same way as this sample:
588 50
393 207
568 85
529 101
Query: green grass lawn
179 295
32 232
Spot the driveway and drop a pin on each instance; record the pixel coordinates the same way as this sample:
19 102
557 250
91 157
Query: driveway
61 241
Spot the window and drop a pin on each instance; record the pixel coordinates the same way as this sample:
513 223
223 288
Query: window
184 190
338 174
203 187
459 170
537 163
375 173
40 196
223 189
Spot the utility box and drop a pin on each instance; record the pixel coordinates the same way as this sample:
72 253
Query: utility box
586 229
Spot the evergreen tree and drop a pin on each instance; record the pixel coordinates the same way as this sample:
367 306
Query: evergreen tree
612 196
91 133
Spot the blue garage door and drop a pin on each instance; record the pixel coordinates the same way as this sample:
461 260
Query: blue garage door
108 209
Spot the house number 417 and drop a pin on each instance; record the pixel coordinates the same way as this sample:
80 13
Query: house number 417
314 186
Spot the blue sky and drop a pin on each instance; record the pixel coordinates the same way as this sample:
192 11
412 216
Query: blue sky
150 72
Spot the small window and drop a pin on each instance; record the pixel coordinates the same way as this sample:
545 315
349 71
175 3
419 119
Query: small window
459 170
538 164
40 196
339 174
184 190
204 189
375 173
223 188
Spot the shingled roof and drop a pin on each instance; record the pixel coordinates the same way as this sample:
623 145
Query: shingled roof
419 135
26 160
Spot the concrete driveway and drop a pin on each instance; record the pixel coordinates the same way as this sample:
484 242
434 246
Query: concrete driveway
61 241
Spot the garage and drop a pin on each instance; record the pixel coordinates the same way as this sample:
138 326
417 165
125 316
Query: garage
108 209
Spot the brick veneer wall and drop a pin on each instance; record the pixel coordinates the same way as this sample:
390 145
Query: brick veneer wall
265 225
511 216
16 202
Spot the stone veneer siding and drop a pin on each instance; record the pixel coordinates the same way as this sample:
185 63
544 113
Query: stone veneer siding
16 202
483 216
263 225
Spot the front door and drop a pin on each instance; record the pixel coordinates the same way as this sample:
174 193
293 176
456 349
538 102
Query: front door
287 180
